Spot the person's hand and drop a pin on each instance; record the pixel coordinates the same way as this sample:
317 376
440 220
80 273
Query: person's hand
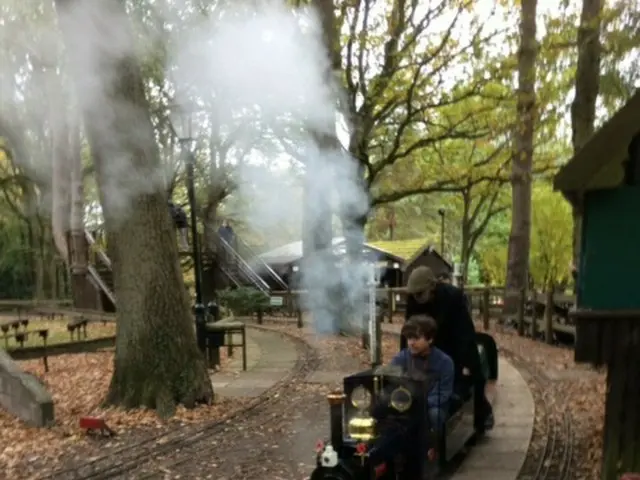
466 372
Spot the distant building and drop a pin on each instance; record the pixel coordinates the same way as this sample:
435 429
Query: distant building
396 259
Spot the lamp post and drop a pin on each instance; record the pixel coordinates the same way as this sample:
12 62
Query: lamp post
441 212
183 126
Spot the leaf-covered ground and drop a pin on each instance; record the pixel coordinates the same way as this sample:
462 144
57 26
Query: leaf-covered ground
575 387
281 439
78 384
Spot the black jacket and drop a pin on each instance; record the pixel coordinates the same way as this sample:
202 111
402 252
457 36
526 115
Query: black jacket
456 333
178 215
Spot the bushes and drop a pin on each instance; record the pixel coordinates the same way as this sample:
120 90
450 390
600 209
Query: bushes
243 301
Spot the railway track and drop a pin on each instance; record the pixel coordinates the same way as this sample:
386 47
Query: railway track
147 457
550 455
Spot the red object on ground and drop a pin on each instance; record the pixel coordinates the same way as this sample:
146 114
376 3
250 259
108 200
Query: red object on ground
319 446
432 454
380 470
630 476
95 424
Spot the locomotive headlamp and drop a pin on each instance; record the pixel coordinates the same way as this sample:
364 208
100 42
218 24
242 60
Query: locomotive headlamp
362 428
360 398
401 399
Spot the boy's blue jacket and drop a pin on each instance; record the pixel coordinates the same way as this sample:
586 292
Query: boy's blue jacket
438 363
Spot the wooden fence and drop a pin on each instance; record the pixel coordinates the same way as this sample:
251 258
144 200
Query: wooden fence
537 314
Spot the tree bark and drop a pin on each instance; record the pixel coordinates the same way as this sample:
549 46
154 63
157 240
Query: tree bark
587 85
522 161
157 362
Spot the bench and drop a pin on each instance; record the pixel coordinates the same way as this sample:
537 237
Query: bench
220 334
77 324
22 337
14 324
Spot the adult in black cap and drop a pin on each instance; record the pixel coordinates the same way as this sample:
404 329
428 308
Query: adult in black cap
456 335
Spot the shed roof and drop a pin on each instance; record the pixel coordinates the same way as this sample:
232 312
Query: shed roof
292 252
408 250
599 164
404 249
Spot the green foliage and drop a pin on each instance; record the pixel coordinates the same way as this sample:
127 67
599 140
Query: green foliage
16 275
551 250
551 236
243 301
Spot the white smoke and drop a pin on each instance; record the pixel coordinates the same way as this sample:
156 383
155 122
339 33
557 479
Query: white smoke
259 69
267 68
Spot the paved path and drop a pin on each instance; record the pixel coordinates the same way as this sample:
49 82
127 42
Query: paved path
500 456
270 357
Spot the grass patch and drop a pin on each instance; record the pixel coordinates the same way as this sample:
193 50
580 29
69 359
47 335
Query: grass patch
58 332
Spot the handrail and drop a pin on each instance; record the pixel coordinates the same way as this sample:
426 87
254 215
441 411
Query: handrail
231 276
99 252
263 264
249 272
95 276
254 278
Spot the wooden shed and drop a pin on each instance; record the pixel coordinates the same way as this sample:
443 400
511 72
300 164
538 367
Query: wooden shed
412 254
602 181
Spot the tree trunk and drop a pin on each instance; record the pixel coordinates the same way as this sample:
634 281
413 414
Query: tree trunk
466 225
522 161
157 362
587 85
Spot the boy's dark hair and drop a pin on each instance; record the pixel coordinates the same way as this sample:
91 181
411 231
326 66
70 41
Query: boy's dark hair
420 326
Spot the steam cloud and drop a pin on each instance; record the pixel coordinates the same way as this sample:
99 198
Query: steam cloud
260 73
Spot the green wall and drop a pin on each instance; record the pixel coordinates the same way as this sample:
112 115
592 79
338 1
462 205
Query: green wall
610 255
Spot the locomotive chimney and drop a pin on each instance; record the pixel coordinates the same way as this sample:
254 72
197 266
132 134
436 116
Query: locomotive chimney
336 400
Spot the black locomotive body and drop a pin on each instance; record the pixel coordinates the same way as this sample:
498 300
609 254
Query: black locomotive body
380 426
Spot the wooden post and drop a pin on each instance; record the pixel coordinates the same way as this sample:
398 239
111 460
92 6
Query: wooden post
522 298
289 300
534 316
299 313
364 337
548 316
259 316
390 303
486 308
378 352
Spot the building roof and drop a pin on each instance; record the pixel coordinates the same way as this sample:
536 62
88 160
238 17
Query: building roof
289 252
599 164
292 252
407 250
404 249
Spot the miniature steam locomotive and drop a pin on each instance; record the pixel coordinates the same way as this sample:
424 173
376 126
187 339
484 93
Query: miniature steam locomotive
380 427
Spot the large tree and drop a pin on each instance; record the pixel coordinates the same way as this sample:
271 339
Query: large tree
522 161
157 363
587 85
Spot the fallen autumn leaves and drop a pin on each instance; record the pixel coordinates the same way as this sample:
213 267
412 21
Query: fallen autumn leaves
583 393
78 384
